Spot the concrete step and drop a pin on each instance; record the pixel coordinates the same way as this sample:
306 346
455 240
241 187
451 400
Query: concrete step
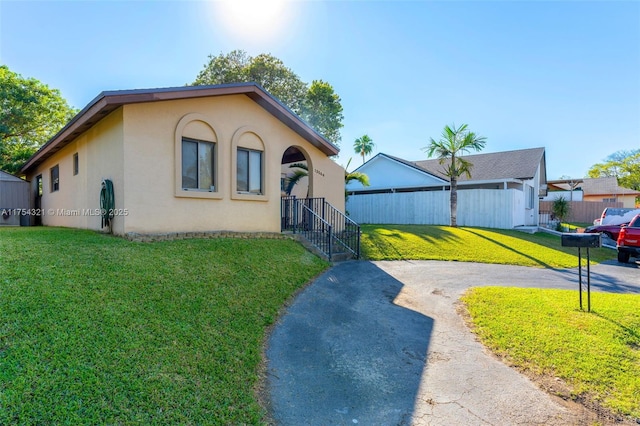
339 256
342 256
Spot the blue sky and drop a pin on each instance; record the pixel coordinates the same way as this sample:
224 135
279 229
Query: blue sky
561 75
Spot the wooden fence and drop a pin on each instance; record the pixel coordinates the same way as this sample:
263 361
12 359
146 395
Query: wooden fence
580 211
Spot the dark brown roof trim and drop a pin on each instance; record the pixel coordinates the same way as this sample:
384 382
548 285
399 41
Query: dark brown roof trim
107 102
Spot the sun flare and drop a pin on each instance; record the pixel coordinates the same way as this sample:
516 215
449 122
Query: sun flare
253 18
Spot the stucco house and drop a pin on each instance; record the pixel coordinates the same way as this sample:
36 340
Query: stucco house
503 191
184 159
604 190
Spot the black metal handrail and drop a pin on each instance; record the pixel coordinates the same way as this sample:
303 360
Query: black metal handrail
346 232
300 215
314 228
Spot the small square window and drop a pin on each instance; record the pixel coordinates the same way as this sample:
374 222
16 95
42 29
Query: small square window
55 178
75 164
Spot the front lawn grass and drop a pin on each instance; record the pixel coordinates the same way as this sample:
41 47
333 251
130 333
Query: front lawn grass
98 330
543 332
430 242
573 227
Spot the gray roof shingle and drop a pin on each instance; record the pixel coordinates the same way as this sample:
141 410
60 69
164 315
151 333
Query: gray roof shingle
516 164
603 186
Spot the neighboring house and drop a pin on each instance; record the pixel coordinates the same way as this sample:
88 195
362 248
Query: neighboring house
14 199
605 189
184 159
569 189
503 191
575 195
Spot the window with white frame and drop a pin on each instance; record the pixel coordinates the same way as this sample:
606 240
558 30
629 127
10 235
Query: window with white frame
530 194
249 171
198 160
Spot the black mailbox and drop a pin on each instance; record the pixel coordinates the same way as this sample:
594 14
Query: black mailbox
581 240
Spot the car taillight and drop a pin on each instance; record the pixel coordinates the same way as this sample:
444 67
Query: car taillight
621 236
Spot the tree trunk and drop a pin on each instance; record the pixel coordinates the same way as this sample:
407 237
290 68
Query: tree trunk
454 202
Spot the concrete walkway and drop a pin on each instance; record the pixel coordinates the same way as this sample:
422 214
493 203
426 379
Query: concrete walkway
381 343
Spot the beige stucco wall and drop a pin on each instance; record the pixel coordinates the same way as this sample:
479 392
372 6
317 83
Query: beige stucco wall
628 201
100 156
138 148
153 196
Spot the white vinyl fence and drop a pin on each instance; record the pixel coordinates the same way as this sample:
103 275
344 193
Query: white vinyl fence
487 208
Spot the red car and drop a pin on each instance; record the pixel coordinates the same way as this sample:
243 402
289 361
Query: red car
610 231
629 241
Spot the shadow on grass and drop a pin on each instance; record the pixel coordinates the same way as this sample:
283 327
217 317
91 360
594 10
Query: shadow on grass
388 238
496 242
382 243
439 234
628 331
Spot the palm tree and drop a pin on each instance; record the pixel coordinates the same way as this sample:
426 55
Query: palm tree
302 171
363 146
453 143
293 179
351 176
560 209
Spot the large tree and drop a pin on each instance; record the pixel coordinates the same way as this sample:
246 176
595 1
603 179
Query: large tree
30 113
317 103
363 146
624 165
322 110
453 143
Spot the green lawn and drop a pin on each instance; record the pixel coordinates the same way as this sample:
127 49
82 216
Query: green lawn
597 354
98 330
95 329
423 242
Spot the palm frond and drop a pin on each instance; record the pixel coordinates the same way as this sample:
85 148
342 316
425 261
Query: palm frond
302 166
357 176
463 166
293 180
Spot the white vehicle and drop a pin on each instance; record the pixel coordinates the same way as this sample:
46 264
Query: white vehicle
616 216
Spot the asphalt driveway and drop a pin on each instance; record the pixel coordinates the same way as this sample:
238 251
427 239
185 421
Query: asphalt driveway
381 343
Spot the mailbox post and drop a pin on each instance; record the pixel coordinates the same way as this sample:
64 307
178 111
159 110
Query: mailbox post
587 241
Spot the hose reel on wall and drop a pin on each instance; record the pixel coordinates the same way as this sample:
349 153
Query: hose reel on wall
107 204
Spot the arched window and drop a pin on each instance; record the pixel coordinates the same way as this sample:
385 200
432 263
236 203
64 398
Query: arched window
250 165
197 158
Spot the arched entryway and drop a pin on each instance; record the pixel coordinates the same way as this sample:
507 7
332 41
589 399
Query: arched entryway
296 177
296 184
